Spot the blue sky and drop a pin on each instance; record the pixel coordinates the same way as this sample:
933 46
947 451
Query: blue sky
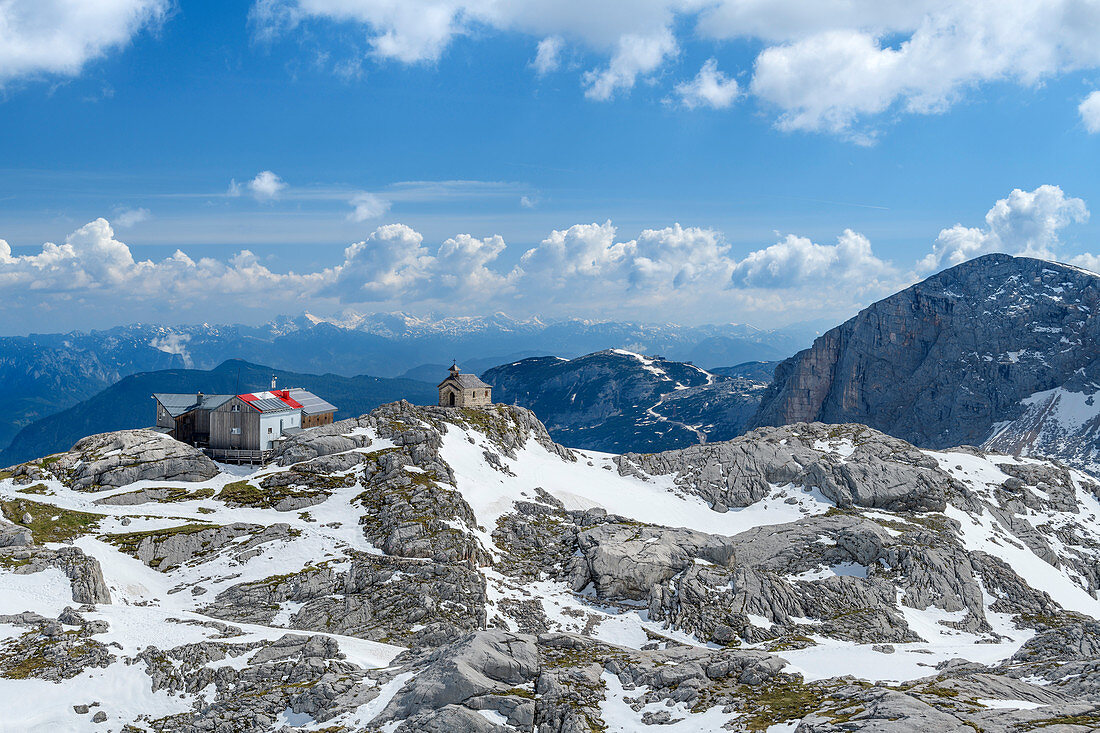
812 163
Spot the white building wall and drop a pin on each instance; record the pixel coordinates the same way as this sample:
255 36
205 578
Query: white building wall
272 425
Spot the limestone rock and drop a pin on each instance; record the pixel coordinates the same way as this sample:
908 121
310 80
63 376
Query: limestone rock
109 460
879 471
943 361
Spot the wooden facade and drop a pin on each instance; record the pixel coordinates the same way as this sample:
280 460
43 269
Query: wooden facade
191 427
313 421
243 427
235 426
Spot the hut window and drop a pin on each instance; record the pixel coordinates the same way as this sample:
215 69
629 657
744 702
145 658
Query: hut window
234 431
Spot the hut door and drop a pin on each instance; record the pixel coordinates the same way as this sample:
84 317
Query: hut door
452 399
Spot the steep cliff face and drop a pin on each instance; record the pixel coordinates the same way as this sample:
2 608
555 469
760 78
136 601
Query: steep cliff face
950 359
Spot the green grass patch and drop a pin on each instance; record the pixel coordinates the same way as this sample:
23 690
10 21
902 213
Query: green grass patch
783 700
50 523
1089 721
39 489
242 493
10 563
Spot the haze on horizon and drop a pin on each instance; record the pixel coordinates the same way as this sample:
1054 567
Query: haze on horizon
656 161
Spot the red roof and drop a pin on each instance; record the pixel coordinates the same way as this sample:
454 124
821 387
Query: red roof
282 395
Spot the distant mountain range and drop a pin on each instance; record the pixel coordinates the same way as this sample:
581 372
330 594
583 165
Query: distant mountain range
616 400
128 403
999 351
45 373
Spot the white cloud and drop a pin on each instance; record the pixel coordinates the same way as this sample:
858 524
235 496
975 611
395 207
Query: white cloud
548 56
669 259
126 218
660 261
709 88
836 76
1089 109
835 65
586 250
797 261
462 267
661 274
636 55
61 36
391 262
528 202
367 206
1025 223
92 263
1088 261
265 186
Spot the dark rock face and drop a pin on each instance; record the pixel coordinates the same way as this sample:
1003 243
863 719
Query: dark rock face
940 363
617 401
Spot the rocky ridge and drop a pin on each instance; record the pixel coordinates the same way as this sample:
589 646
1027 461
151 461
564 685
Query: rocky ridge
616 400
999 351
432 569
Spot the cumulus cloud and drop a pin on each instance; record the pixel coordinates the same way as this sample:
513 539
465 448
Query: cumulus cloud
393 263
367 206
709 88
833 66
1089 109
129 217
586 250
660 262
1024 223
636 55
674 257
266 186
797 261
662 273
915 57
50 37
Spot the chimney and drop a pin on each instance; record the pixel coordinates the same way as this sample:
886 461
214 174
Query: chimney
273 378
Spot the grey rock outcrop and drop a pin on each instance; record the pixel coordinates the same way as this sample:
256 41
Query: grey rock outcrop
625 561
110 460
170 548
83 571
876 471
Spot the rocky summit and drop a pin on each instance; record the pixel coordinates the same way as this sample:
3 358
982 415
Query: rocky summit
443 569
1000 351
